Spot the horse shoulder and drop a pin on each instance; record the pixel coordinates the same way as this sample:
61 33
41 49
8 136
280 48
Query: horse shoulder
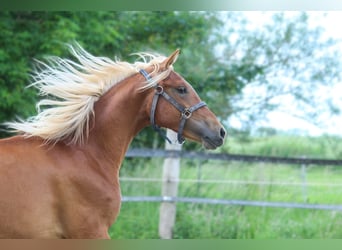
89 199
66 184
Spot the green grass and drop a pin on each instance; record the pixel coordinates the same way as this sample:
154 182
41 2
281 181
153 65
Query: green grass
203 221
287 146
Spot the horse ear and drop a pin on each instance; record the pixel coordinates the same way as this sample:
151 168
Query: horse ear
170 60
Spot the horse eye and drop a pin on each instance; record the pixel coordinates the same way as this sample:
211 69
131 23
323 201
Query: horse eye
182 90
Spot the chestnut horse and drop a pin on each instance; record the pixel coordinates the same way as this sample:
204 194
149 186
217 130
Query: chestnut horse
59 177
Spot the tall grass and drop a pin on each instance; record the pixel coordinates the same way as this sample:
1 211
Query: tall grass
287 146
243 181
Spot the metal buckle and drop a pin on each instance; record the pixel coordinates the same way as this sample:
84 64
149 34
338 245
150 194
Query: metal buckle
186 113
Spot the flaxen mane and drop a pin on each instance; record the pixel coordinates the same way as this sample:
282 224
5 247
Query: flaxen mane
70 90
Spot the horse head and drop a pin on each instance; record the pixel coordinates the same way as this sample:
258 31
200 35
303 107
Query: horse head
174 104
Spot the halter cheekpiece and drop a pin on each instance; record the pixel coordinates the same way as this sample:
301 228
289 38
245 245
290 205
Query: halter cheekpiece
185 112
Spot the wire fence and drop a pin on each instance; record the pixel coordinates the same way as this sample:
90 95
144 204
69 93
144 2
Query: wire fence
234 182
232 202
302 161
145 153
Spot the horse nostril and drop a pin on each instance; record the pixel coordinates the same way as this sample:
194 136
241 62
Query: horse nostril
222 132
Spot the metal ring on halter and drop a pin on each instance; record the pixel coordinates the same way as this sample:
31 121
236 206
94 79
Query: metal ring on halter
159 90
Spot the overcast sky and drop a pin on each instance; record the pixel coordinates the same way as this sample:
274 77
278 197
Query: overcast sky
332 22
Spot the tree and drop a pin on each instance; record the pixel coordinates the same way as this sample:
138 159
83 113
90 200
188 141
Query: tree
284 59
225 60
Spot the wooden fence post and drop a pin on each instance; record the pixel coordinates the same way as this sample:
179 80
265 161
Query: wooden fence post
303 177
170 177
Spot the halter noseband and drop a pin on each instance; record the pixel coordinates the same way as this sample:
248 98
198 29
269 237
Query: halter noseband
185 112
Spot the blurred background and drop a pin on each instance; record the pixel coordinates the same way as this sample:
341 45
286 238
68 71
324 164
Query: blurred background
273 79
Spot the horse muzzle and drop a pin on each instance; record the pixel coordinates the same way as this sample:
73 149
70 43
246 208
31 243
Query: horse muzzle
213 139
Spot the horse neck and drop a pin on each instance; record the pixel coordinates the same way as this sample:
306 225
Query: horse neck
119 115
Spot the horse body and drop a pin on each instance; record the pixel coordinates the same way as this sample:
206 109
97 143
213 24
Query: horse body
68 191
71 190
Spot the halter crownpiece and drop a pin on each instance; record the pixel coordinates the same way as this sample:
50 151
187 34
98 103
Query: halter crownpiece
185 112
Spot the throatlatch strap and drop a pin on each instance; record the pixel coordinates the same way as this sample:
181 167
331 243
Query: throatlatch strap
152 115
153 109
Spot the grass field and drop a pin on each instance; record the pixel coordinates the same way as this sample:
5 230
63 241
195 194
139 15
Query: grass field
242 181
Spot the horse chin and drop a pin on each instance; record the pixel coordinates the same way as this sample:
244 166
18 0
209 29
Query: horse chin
208 144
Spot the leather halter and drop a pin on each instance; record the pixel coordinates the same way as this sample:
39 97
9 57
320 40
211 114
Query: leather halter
185 112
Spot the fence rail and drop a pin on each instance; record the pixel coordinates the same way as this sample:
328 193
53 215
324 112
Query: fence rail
236 182
145 153
231 202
